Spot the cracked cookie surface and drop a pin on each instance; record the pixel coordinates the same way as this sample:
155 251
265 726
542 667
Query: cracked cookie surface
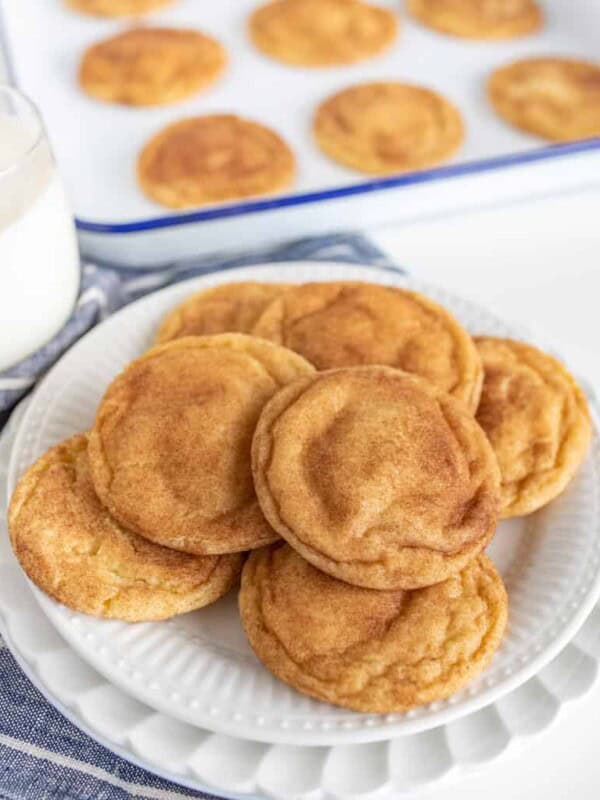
232 307
343 324
556 98
479 19
151 66
383 128
213 158
70 546
376 477
368 650
170 445
117 8
537 420
319 33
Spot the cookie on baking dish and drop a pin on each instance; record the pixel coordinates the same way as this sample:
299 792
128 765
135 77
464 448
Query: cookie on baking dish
71 547
211 159
348 323
387 127
556 98
170 446
118 8
537 420
319 33
479 19
230 307
368 650
376 477
151 66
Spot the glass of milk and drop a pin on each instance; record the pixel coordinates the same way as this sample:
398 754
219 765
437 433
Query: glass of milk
39 260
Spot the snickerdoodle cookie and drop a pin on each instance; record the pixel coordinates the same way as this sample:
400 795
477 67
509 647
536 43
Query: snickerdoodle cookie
231 307
317 33
368 650
70 546
479 19
151 66
386 127
537 420
170 447
213 158
557 98
117 8
376 476
347 323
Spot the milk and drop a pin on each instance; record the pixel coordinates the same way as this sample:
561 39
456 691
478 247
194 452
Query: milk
39 262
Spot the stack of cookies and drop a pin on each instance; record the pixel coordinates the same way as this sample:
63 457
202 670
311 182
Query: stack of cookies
355 439
380 127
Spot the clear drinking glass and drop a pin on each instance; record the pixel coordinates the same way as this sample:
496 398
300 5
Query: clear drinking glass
39 260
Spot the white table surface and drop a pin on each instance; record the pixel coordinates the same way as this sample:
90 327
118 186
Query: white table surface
536 263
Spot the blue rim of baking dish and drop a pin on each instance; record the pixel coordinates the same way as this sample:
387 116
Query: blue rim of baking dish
304 198
364 187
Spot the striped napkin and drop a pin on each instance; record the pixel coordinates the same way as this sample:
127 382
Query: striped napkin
43 756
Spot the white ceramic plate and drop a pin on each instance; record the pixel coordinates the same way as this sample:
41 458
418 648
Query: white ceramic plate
200 669
240 768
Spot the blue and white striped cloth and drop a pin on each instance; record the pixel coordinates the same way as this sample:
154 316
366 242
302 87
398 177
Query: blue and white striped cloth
43 756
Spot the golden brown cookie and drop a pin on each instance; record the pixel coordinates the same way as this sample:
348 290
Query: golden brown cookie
537 419
151 66
170 446
117 8
319 33
70 546
479 19
557 98
347 323
231 307
368 650
376 477
213 158
382 128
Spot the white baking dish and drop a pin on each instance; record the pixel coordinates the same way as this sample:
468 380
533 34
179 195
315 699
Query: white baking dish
97 144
